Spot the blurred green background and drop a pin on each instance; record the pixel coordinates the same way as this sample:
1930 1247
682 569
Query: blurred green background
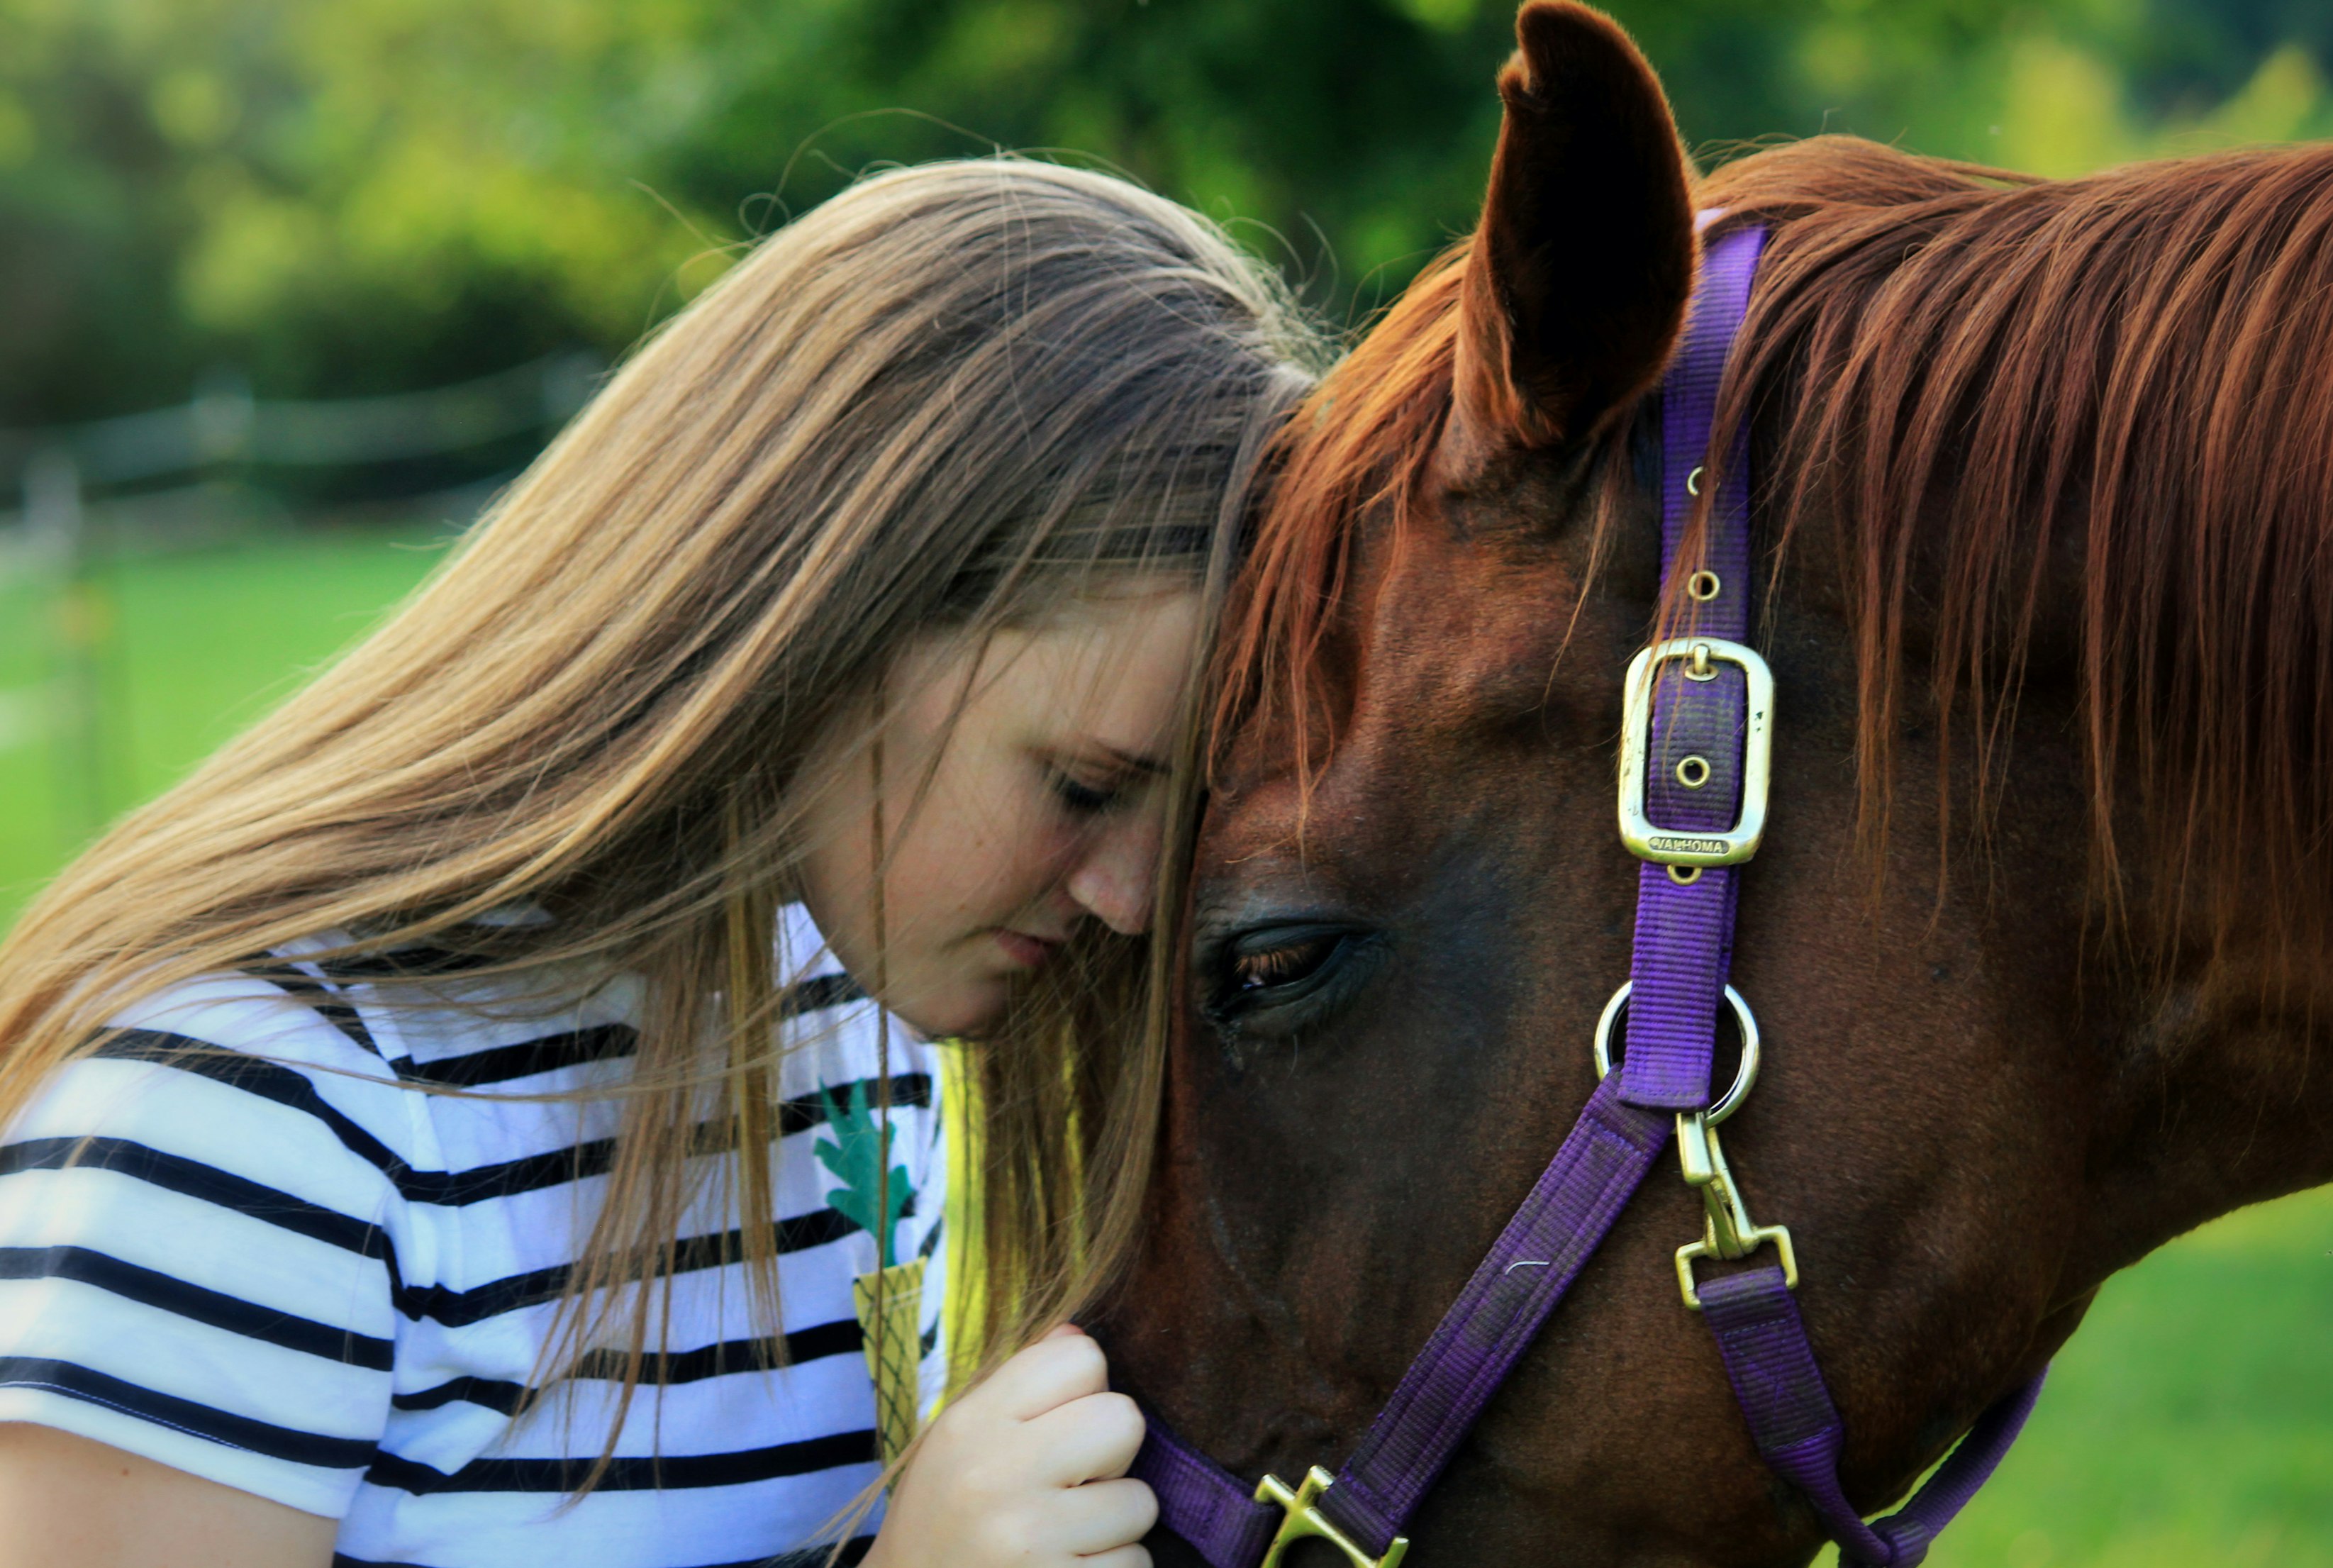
350 196
224 200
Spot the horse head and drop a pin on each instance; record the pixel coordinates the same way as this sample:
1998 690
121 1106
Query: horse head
2017 1033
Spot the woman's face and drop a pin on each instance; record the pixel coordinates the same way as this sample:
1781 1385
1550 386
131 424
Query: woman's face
1021 792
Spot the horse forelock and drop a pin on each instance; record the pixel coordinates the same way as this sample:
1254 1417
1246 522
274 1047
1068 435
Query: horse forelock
1362 440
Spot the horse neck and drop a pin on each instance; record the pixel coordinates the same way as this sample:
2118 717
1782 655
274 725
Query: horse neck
2203 1023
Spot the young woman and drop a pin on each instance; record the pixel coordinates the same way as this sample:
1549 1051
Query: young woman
447 1128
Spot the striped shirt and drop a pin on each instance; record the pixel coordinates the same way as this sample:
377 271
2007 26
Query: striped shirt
291 1270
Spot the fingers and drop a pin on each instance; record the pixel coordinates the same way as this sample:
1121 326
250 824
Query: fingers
1028 1467
1089 1439
1103 1517
1059 1368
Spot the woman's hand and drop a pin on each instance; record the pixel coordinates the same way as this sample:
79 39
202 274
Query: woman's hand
1027 1469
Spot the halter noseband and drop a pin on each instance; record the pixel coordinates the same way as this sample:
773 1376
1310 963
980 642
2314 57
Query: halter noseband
1694 764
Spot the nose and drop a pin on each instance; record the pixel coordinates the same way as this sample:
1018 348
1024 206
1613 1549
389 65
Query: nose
1118 879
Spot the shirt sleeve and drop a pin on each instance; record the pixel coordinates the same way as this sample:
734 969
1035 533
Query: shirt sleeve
196 1266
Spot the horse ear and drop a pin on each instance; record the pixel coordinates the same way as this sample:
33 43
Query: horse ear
1582 265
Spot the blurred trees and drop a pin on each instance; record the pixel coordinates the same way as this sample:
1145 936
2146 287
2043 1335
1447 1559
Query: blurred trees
350 196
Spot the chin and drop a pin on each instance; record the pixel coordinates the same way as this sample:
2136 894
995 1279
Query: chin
964 1009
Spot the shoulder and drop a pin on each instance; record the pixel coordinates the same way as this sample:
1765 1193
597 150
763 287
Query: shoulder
196 1255
256 1069
302 1053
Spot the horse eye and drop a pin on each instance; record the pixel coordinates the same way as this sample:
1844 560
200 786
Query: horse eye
1277 981
1282 966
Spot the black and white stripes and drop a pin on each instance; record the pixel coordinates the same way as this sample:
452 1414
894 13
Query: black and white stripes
247 1241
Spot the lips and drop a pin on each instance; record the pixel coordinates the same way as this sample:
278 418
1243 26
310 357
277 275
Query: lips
1027 952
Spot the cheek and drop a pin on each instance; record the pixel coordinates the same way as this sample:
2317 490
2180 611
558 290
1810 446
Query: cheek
977 859
1010 868
836 864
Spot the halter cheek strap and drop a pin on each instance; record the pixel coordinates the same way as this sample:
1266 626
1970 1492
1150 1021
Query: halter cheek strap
1693 807
1363 1508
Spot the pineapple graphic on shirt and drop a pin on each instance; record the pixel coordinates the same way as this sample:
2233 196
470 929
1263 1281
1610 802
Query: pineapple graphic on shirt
875 1195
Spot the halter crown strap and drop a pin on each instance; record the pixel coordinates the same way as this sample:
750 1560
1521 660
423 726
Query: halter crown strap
1685 936
1684 930
1695 790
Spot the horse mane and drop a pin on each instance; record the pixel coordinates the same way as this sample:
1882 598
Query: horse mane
2074 432
1362 439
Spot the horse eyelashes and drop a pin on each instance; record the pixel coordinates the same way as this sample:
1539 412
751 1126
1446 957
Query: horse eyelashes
1279 966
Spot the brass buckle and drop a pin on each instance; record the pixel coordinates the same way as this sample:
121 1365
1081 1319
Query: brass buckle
1669 846
1304 1519
1727 1231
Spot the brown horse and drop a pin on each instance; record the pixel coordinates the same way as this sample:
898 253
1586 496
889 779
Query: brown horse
2038 935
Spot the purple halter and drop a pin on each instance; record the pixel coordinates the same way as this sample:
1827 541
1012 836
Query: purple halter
1693 803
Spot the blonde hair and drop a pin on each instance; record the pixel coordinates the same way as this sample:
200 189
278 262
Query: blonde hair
958 395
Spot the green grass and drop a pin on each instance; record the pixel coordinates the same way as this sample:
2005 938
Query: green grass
2189 1424
188 650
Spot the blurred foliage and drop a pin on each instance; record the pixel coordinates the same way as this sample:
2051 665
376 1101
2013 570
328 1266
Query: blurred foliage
347 195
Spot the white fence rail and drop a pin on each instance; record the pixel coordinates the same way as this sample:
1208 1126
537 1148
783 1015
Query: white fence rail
120 469
223 424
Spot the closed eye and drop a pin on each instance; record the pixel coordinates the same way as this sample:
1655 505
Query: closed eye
1083 799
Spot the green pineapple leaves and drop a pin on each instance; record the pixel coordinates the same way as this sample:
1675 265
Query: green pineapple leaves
856 1155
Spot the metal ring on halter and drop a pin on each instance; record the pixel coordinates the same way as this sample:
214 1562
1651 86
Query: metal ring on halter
1744 1078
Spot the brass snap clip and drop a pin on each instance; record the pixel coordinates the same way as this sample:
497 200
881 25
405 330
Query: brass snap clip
1727 1231
1304 1519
